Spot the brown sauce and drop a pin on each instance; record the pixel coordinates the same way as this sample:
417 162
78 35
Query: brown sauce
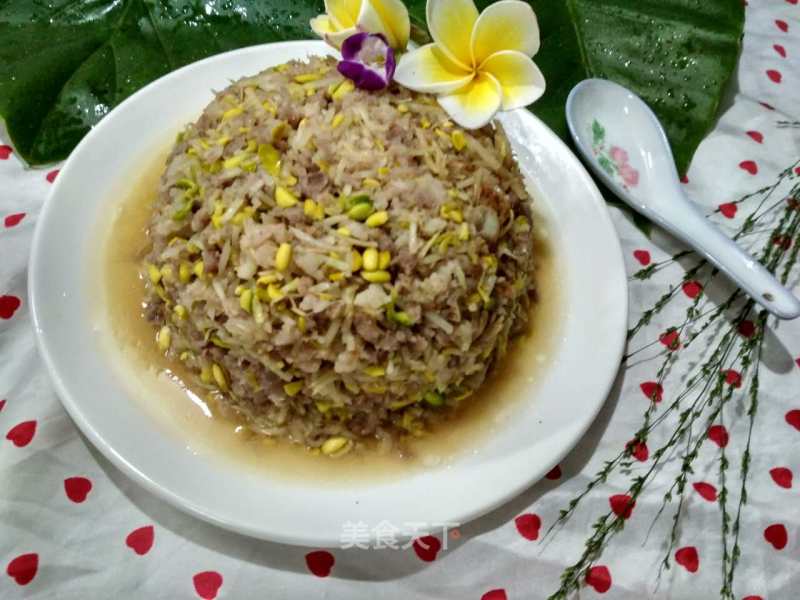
164 387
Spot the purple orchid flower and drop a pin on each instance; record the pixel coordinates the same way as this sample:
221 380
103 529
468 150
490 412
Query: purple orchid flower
368 60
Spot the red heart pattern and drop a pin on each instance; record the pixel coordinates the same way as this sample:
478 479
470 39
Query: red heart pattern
688 558
22 434
638 450
207 584
793 418
782 477
8 306
643 256
427 547
622 505
499 594
2 404
780 50
141 540
767 106
320 562
13 220
599 577
747 328
23 568
728 210
554 473
733 378
671 339
774 76
776 535
652 390
750 166
51 176
528 526
692 288
719 435
706 490
5 152
782 25
77 488
752 598
756 136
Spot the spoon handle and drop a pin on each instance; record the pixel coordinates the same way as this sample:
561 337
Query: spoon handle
681 218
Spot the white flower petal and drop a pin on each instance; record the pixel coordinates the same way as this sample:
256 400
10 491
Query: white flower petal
474 105
505 25
343 13
450 23
520 79
427 69
389 17
324 27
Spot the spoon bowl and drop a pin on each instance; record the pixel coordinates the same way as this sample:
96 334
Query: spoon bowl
624 144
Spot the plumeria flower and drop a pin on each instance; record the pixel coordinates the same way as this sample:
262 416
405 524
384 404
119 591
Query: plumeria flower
368 60
477 64
345 18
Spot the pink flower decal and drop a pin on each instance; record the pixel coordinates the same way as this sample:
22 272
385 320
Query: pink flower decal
618 155
613 161
629 175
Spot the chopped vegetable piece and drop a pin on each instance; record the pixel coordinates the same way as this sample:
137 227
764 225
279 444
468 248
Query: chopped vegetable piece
433 398
371 259
233 112
246 300
293 388
337 120
270 159
284 198
164 338
360 211
384 258
219 376
283 257
154 272
258 310
343 89
377 219
355 260
336 446
458 139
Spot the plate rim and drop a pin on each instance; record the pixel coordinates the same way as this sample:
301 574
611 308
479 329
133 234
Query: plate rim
188 505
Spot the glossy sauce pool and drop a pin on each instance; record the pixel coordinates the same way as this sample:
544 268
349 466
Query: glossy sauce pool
164 387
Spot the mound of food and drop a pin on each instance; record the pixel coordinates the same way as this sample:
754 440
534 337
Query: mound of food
337 265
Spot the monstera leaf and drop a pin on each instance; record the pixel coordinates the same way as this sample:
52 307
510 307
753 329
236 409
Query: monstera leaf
65 63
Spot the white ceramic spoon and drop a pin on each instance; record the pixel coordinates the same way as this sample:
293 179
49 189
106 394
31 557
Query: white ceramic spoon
625 145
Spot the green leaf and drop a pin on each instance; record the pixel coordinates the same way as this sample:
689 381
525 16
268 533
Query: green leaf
678 55
598 133
65 63
606 165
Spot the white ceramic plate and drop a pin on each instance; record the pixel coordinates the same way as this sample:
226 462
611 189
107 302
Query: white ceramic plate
545 426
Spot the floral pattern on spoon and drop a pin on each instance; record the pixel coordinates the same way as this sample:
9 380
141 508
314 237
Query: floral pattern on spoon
614 160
